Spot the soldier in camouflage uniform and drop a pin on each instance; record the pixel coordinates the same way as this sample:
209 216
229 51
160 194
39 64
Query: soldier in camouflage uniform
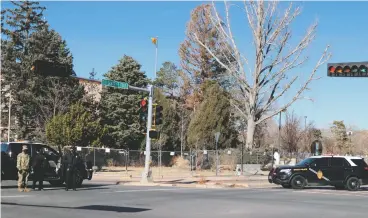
23 169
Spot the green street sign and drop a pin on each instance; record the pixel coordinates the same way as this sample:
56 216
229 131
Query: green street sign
115 84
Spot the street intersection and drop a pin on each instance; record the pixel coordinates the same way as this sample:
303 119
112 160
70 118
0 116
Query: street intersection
97 200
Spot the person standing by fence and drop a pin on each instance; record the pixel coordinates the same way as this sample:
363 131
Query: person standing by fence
23 169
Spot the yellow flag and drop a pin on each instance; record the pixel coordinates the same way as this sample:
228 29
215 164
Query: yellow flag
154 40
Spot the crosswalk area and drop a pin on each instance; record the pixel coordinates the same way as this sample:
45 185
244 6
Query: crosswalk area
314 191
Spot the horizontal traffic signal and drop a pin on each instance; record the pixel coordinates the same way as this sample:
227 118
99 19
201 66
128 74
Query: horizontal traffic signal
46 68
349 69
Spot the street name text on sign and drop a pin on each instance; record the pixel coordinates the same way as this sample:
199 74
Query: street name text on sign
115 84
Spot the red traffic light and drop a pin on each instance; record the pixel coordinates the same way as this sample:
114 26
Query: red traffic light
143 103
350 69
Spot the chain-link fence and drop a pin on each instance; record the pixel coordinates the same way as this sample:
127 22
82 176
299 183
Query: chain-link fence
195 162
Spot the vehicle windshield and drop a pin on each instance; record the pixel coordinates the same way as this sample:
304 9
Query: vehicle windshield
305 162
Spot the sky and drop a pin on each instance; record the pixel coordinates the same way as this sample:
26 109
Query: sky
100 33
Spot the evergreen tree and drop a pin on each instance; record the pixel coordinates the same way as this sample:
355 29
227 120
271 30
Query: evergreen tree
175 116
170 128
213 116
77 127
51 95
168 78
17 25
35 99
198 64
119 108
339 131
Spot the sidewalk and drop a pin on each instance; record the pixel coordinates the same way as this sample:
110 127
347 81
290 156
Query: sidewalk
193 182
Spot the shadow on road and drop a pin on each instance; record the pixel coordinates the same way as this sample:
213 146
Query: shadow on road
84 187
88 207
365 188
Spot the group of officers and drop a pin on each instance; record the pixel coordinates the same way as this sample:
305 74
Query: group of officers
39 165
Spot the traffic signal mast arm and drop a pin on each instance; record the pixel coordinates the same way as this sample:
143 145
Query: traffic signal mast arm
46 68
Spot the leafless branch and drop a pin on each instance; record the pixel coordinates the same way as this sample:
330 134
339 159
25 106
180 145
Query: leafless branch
273 60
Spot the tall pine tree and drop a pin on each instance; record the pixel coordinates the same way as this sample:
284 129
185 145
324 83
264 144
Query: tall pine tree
27 38
119 108
51 95
213 115
17 25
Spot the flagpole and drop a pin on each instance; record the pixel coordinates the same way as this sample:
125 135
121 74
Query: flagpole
156 57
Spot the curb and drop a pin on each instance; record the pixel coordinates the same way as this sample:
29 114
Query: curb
210 186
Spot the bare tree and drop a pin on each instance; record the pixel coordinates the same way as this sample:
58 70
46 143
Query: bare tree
274 60
293 132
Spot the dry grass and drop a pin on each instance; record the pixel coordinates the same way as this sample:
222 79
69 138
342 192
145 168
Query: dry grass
180 162
202 180
166 172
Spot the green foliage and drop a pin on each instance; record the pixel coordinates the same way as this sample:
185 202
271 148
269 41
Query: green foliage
170 127
36 100
75 128
317 133
119 108
168 78
338 129
213 115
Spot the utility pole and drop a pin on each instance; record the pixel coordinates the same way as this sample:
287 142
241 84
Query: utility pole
147 175
182 134
9 118
279 131
1 106
217 135
155 42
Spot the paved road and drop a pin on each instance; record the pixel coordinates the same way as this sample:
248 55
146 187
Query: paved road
109 200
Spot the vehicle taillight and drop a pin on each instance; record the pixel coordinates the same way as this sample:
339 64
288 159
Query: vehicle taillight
365 168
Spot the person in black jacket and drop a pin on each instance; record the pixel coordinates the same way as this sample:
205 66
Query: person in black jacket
71 162
39 165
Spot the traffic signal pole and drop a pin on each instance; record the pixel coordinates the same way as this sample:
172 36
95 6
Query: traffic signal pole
147 174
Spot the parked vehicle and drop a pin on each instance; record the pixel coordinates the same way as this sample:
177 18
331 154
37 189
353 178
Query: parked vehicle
54 172
343 172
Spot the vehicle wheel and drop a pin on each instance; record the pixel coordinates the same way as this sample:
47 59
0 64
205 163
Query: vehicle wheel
56 183
353 184
298 182
286 185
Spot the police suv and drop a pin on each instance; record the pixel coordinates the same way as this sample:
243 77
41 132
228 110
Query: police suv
343 172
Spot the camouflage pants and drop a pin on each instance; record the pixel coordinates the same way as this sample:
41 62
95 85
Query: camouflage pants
23 178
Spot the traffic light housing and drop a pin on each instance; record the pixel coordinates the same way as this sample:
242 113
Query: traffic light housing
46 68
143 114
153 134
157 114
349 69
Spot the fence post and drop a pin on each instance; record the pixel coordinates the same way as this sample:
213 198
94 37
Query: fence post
126 160
94 158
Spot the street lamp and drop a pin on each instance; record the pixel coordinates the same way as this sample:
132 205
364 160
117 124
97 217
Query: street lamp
349 133
284 110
